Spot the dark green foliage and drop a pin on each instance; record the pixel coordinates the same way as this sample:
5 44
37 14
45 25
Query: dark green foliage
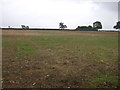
117 26
24 27
97 25
89 26
85 28
62 26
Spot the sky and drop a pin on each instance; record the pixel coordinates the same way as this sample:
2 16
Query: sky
49 13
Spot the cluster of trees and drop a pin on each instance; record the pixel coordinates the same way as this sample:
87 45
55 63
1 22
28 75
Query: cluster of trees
96 25
84 28
24 27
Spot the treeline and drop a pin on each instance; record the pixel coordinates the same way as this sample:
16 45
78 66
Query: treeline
86 28
96 25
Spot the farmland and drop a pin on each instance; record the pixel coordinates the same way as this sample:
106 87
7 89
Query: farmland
59 59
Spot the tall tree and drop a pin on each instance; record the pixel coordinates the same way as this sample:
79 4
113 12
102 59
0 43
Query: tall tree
97 25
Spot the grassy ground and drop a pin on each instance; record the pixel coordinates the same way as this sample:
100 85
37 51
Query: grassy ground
67 59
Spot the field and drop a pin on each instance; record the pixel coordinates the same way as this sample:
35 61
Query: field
59 59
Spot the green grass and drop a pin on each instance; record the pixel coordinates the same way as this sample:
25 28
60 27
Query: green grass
25 48
80 43
52 39
106 81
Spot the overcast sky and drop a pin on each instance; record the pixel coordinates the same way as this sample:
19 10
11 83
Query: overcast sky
48 13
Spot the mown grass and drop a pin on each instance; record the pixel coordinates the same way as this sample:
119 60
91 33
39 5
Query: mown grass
88 60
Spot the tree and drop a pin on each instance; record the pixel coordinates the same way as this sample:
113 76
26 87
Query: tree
65 26
8 26
117 26
62 26
27 27
84 28
97 25
23 26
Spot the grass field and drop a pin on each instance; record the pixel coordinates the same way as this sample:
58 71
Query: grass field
64 59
